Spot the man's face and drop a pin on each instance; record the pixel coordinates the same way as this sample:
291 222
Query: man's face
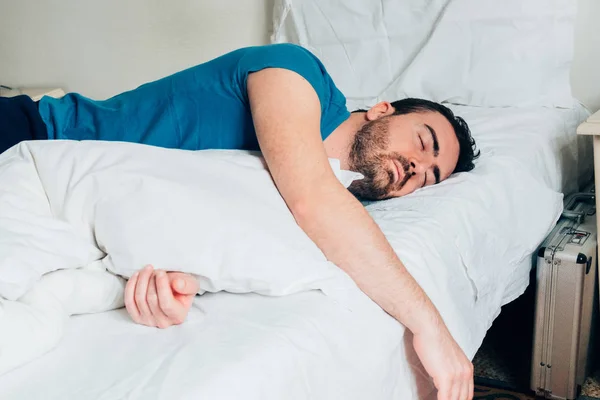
399 154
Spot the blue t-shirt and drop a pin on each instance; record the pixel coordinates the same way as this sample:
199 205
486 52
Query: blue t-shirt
203 107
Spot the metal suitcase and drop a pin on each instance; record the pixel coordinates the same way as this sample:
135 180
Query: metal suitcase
566 280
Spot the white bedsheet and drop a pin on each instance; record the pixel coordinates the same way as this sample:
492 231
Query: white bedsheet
231 347
545 139
458 239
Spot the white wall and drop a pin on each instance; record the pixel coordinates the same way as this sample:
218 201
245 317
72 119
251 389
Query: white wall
585 71
100 48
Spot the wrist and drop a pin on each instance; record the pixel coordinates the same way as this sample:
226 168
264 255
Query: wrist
429 327
415 310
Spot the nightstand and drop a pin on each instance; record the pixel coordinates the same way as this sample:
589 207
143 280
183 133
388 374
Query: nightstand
35 93
592 127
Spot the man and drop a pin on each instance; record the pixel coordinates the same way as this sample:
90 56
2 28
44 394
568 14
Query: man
280 99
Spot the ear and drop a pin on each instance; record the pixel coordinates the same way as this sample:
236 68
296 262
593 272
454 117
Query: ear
379 110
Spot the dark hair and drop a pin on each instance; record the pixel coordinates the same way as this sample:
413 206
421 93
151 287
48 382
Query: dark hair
467 148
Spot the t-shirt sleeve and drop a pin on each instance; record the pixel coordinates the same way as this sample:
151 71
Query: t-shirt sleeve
303 62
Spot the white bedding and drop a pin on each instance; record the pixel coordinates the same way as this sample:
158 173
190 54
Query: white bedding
545 140
466 241
242 346
74 215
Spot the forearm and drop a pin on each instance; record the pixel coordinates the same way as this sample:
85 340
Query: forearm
349 237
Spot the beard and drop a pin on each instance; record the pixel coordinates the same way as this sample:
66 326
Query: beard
367 157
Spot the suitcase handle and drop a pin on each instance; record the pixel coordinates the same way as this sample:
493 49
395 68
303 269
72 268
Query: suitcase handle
571 203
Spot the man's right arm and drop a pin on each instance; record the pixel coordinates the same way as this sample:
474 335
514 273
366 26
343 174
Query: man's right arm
286 115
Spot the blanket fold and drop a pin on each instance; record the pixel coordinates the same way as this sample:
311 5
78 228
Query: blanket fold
34 324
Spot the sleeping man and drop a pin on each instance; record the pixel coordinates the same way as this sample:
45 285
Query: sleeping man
280 100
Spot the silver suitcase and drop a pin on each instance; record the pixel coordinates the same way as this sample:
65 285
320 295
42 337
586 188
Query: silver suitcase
566 280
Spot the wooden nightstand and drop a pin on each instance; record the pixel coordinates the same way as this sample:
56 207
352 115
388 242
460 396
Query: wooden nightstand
592 127
35 93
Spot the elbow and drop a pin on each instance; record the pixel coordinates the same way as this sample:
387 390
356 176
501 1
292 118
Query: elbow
318 202
321 196
303 210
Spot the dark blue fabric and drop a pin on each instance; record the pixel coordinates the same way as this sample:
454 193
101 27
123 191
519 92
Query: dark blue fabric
19 121
203 107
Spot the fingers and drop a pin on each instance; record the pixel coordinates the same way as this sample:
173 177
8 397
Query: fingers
141 289
172 308
471 391
151 298
130 300
466 382
444 391
452 392
443 395
470 382
461 388
457 389
184 283
158 316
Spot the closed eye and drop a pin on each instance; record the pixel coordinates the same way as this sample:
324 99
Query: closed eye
422 144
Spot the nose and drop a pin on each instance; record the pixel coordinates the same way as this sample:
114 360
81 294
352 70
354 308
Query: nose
418 167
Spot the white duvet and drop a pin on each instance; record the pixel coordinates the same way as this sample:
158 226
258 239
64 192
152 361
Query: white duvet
463 240
111 208
120 206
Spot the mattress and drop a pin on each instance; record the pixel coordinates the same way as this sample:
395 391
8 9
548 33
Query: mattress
467 241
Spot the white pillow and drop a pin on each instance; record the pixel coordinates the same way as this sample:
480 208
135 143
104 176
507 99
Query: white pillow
222 220
474 52
216 214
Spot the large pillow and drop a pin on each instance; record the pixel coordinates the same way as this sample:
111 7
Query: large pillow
215 214
473 52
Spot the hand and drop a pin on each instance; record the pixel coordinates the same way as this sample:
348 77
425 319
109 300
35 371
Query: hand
159 298
446 363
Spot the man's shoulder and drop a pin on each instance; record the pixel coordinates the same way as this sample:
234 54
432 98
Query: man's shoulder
286 56
281 52
302 61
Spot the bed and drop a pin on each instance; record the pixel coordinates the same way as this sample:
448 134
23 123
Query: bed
468 242
307 345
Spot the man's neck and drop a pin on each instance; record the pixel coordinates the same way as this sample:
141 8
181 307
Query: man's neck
338 144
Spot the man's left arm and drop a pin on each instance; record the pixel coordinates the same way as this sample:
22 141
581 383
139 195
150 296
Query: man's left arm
286 113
